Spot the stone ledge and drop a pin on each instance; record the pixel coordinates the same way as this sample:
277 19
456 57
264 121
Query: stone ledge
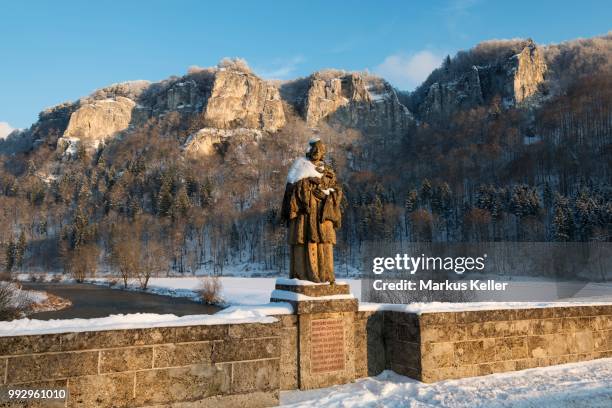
317 290
250 400
321 306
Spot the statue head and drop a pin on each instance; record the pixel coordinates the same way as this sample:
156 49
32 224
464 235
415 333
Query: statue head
316 150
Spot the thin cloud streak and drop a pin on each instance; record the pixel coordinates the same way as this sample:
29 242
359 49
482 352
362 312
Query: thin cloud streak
407 71
280 68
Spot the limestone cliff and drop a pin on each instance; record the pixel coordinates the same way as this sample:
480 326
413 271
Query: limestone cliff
349 99
96 121
241 99
529 71
517 79
230 97
223 98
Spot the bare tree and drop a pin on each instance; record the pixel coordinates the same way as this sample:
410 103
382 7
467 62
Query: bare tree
125 256
82 261
154 261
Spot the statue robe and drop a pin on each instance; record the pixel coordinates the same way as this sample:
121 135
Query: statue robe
312 217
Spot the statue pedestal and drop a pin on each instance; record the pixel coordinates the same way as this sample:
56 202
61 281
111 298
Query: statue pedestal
326 331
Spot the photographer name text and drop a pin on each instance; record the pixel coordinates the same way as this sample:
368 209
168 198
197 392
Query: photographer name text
409 285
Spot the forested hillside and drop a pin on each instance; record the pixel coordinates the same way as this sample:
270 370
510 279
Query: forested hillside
509 141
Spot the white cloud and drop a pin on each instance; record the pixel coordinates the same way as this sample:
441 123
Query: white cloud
5 130
406 71
280 68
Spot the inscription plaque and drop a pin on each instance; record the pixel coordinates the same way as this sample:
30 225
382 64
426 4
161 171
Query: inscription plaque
326 345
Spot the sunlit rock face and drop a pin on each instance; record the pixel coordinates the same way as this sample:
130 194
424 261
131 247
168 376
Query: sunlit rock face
326 95
224 98
240 99
353 100
529 71
98 120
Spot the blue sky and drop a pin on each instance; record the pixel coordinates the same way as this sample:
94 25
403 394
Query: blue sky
52 51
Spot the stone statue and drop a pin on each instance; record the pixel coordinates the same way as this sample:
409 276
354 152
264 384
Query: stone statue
311 209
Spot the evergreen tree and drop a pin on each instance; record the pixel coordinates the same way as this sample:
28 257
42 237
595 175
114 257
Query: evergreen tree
446 64
562 220
20 249
9 256
181 203
165 199
586 215
441 199
412 199
426 192
378 218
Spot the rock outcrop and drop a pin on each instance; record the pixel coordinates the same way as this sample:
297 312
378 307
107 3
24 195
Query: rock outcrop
445 98
517 80
208 141
529 71
349 99
97 120
225 98
326 95
184 95
240 99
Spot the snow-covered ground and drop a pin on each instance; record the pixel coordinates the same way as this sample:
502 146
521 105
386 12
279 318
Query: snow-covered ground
256 291
235 291
584 384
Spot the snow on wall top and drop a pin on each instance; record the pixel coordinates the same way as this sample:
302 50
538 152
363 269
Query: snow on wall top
293 296
441 307
24 327
269 309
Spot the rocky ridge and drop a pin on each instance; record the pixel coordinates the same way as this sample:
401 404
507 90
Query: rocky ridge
232 97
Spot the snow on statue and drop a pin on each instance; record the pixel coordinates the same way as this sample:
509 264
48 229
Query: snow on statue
311 209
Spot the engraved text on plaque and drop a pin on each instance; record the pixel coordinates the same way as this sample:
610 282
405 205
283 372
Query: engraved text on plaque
326 345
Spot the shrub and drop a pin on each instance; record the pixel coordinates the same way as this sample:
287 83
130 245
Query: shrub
234 64
13 301
210 290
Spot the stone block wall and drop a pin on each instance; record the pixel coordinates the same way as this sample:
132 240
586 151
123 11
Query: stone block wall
289 352
369 344
437 346
220 365
247 365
